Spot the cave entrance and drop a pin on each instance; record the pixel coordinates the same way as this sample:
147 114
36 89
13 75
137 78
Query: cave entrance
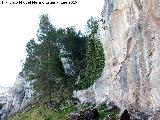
125 115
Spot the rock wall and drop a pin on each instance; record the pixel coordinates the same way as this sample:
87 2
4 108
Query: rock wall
3 94
131 40
20 96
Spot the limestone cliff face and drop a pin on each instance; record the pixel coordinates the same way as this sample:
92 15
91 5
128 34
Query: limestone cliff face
3 94
19 97
131 40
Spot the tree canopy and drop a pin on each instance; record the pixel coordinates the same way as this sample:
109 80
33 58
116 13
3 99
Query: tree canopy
94 57
59 61
44 66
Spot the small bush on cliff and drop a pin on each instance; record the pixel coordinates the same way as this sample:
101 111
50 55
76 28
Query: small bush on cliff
106 114
87 106
103 106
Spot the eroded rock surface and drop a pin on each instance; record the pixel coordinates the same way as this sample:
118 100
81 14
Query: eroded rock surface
131 40
20 96
3 94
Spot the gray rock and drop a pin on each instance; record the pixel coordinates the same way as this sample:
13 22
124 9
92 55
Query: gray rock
131 40
3 94
20 95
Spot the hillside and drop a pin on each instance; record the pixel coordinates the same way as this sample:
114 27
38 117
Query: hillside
113 70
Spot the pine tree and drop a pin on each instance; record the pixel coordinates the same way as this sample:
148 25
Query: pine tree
43 63
94 58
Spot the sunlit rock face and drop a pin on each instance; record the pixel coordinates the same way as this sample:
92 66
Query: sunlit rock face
131 40
20 95
67 63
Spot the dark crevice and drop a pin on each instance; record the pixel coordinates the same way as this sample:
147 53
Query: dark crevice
125 115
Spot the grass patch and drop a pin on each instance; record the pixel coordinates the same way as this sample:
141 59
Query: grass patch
43 113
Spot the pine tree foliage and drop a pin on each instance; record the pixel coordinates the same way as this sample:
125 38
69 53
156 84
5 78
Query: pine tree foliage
44 67
73 44
94 57
43 64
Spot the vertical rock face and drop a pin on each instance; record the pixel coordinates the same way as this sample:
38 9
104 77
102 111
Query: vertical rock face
20 95
67 63
131 40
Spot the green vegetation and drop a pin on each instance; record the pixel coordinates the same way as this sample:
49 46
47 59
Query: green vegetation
43 112
105 113
94 57
53 84
43 64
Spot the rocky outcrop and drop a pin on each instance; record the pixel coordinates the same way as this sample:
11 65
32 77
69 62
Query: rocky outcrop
20 96
3 94
67 63
131 40
89 114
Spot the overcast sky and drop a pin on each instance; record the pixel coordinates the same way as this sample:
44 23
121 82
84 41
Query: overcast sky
19 23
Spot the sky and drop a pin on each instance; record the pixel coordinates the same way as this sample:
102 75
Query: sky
19 24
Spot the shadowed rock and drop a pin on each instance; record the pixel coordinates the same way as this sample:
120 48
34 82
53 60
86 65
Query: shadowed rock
91 114
125 115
